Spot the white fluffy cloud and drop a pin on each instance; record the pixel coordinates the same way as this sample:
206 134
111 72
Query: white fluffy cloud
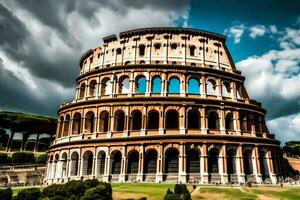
274 78
237 31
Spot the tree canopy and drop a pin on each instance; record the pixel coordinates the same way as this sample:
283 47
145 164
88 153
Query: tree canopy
22 122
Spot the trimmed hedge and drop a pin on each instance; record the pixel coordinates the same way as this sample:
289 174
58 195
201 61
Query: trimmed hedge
3 158
28 194
6 194
23 157
41 159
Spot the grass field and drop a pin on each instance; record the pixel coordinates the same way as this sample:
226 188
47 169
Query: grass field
153 191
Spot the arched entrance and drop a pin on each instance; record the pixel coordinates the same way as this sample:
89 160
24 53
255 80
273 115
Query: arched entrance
116 158
74 164
87 165
171 164
101 162
213 165
193 164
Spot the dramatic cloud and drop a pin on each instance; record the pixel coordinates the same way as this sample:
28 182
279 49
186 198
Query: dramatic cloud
40 44
273 78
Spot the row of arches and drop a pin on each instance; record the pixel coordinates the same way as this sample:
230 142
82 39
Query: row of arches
154 120
173 86
116 163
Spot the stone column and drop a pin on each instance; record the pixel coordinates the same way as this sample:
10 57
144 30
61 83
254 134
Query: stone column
131 86
144 121
160 163
237 123
107 167
183 84
202 48
204 177
271 167
257 173
141 164
240 165
203 86
162 118
222 121
182 120
203 121
219 88
233 91
182 164
127 121
164 84
122 177
222 165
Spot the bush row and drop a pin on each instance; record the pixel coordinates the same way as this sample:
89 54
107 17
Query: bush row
22 157
180 193
73 190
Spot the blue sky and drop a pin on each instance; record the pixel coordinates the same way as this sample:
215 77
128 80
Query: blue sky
40 45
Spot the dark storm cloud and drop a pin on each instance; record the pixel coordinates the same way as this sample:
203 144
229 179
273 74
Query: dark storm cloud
47 38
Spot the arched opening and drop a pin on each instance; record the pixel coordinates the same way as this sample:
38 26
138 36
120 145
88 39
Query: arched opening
226 90
64 164
127 62
93 88
116 158
231 164
74 164
136 120
150 161
133 162
248 162
140 85
55 166
141 50
173 46
142 62
89 122
81 91
119 51
156 85
87 165
104 117
213 120
229 121
153 120
239 91
61 124
193 86
119 121
76 124
263 165
172 121
101 162
193 161
106 86
66 126
245 122
171 161
192 50
157 46
193 119
211 86
124 86
213 157
174 85
257 123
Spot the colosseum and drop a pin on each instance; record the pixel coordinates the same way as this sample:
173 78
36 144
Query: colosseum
163 105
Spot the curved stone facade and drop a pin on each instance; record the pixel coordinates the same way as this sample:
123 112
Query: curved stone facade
162 104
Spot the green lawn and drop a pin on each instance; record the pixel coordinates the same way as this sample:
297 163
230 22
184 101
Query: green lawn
155 191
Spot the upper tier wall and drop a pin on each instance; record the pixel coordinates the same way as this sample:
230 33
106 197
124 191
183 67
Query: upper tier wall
151 46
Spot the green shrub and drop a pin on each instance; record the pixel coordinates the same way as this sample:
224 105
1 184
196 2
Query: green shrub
3 158
57 197
180 193
90 183
101 191
23 157
6 194
41 159
29 194
54 190
143 198
75 187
